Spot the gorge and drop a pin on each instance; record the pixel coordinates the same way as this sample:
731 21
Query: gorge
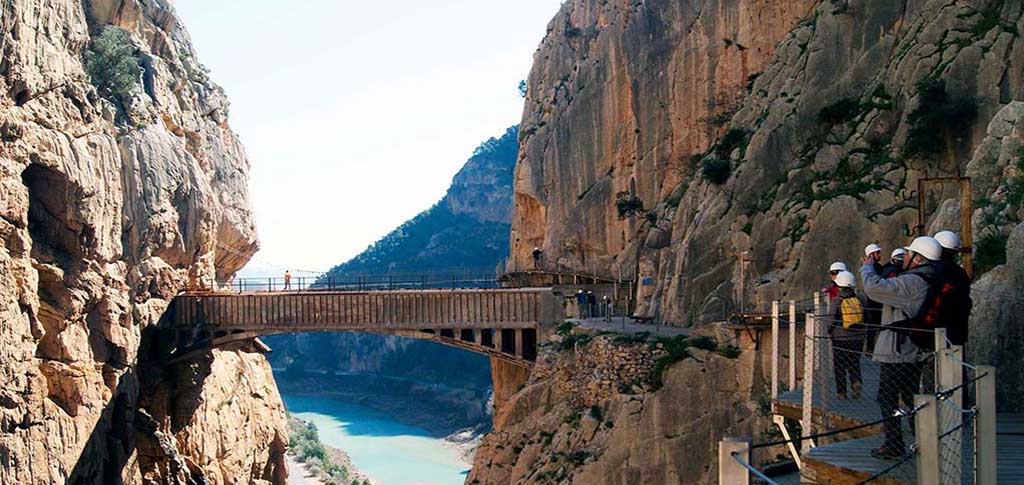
722 151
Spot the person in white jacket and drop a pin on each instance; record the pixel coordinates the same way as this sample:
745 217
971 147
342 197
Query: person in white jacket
900 360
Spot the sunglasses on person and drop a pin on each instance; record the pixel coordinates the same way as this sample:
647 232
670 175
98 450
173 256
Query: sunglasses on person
833 273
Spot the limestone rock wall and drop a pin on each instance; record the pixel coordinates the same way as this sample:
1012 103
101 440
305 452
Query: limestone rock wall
107 211
814 112
632 99
589 416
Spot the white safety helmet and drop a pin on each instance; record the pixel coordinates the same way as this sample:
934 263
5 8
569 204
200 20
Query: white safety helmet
838 266
927 247
871 249
845 279
948 240
898 253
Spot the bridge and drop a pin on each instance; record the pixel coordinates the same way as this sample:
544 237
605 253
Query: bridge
500 322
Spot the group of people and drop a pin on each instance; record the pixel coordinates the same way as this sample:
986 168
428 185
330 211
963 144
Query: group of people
587 306
921 288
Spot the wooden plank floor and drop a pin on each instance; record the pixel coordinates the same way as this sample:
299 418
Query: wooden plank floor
850 461
855 411
1010 447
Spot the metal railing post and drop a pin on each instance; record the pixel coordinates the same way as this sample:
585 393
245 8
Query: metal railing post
792 345
730 471
926 432
775 351
807 424
985 427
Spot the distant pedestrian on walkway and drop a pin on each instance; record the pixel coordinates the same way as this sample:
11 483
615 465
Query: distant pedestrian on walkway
609 308
847 333
287 279
872 308
537 253
581 304
592 304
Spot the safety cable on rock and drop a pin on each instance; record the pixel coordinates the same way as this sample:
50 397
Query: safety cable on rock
900 414
910 454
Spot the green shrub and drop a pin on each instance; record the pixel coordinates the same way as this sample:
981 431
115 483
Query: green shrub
731 140
990 252
716 170
628 204
839 112
938 119
676 348
112 65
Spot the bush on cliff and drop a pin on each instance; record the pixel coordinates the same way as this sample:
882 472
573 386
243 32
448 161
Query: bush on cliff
938 120
716 170
112 65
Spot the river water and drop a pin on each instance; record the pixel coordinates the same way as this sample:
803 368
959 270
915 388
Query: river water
390 452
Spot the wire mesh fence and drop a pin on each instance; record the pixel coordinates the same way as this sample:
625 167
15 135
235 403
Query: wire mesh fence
882 403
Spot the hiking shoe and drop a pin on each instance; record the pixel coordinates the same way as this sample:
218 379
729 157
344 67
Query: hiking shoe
886 453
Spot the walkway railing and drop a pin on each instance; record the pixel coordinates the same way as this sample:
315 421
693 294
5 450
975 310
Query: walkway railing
845 404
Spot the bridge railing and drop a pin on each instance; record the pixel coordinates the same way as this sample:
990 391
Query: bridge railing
360 282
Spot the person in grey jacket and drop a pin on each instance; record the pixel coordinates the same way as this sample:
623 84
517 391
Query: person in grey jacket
899 359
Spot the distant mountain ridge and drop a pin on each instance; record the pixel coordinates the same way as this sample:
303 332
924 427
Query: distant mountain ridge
468 228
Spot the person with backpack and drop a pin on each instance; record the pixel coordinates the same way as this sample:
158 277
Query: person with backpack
909 301
581 304
847 335
957 331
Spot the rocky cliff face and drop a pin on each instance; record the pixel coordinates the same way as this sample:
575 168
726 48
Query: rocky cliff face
590 415
675 138
108 208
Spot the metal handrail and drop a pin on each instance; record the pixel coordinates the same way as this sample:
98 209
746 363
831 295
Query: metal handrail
753 470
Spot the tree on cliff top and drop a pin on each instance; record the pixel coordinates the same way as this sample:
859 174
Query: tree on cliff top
112 65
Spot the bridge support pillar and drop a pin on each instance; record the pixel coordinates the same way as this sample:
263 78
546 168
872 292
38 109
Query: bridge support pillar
519 343
506 378
497 340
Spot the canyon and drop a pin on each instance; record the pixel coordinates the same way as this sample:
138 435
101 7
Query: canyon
722 151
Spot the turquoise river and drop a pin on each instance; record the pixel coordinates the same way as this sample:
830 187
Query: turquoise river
391 453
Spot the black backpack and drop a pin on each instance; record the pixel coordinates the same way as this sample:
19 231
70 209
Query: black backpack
937 311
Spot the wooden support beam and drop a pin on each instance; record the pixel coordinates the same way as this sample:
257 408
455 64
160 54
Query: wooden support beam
985 427
792 345
730 471
926 432
775 350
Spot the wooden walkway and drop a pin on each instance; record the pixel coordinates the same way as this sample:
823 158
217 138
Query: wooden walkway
1010 447
849 460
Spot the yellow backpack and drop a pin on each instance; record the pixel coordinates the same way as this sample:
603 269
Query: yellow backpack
853 313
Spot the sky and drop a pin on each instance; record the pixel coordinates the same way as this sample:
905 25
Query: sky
356 114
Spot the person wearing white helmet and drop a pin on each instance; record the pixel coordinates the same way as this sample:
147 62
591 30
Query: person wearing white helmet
833 270
874 251
895 264
903 298
961 303
847 335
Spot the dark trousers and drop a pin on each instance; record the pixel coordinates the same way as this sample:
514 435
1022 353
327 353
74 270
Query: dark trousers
896 382
846 362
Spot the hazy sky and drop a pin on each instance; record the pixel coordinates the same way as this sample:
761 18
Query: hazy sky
356 114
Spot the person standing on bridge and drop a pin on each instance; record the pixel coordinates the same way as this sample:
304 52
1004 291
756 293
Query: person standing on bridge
581 304
608 307
900 360
592 304
536 257
287 279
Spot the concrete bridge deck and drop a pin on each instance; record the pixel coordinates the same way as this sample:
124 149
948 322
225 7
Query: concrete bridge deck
500 322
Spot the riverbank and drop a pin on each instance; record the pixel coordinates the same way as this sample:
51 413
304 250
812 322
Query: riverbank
315 462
